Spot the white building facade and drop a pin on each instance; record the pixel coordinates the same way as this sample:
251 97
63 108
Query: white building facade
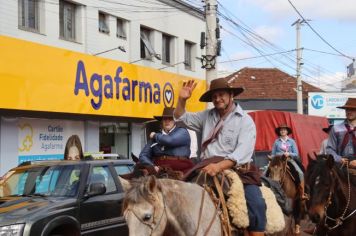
93 68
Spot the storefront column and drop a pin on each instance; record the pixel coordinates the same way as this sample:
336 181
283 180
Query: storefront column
137 138
8 144
91 133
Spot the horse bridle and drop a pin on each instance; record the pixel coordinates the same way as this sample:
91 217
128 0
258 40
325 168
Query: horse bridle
153 228
339 220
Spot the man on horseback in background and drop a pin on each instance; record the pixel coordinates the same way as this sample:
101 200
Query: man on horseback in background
342 137
168 148
227 131
286 146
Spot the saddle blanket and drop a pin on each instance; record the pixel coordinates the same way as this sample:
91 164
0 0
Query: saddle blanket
236 204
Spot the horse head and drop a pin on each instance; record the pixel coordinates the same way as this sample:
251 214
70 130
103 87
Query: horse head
321 181
277 167
145 208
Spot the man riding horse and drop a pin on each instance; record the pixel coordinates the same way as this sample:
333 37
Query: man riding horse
228 132
342 137
168 148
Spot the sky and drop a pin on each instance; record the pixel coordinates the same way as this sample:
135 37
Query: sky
263 27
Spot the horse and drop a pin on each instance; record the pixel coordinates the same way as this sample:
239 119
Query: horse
169 207
278 171
332 196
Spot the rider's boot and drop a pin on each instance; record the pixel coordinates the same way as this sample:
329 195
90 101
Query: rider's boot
303 196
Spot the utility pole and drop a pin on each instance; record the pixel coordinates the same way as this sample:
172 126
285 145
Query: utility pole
211 41
297 24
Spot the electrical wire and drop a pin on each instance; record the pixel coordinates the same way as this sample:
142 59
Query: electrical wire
312 28
264 41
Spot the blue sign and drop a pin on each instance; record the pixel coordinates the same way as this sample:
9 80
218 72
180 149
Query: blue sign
317 101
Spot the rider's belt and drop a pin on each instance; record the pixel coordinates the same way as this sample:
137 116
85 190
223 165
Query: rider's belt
172 158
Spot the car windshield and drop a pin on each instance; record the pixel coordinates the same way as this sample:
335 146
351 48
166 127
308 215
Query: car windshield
59 181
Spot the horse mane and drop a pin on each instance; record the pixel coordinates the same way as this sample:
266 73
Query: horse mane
277 160
138 190
321 164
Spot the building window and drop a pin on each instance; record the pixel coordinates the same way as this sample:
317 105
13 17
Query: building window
167 46
29 14
147 51
188 55
67 12
121 28
104 23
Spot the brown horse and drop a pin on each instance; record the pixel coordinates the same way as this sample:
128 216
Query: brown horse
332 201
278 171
169 207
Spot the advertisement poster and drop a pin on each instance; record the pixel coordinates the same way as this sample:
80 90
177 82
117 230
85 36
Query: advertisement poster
42 139
325 104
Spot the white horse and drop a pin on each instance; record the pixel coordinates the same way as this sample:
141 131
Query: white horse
169 207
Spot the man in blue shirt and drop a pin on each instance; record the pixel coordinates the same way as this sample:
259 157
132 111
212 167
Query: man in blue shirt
168 148
342 137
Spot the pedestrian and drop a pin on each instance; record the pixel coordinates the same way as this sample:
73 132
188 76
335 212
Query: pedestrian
342 137
324 143
285 145
228 132
168 148
73 149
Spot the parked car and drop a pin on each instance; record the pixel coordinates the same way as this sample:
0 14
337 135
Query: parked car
63 198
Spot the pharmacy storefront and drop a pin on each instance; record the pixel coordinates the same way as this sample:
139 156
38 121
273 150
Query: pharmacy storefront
48 94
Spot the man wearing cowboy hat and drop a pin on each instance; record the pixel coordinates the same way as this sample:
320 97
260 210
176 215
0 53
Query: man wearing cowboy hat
168 148
228 132
342 137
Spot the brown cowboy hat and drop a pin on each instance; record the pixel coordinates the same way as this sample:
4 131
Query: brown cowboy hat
167 112
283 126
220 84
327 130
350 104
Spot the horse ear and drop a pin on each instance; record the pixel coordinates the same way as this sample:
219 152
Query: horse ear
330 161
269 157
153 184
310 158
125 183
134 158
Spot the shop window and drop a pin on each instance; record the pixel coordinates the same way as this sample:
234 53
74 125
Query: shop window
147 50
121 28
114 138
188 55
29 14
67 20
167 48
104 23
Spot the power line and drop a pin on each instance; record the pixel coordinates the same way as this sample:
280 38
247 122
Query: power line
329 53
264 55
324 40
262 40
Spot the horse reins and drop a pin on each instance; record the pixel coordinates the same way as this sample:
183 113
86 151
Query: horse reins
339 220
153 222
226 228
285 170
